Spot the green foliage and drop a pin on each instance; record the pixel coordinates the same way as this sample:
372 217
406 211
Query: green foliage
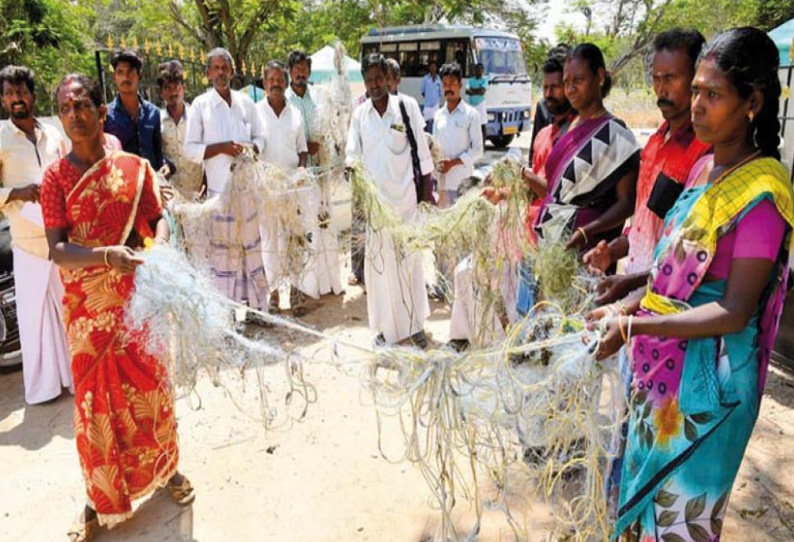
47 36
632 24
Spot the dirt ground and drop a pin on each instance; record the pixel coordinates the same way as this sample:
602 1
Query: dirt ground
321 478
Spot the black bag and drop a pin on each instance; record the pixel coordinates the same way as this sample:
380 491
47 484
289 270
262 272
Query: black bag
416 164
664 194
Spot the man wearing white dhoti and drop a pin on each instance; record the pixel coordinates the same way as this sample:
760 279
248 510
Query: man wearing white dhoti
323 271
397 303
285 147
222 122
27 147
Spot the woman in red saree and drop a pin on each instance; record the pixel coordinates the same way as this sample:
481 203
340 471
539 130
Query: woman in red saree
99 206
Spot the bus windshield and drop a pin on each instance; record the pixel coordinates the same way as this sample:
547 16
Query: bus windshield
501 56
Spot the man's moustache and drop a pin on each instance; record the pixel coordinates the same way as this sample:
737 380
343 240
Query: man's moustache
662 102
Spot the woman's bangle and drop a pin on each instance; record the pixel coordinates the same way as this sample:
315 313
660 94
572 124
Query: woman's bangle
621 307
629 326
622 331
584 234
105 256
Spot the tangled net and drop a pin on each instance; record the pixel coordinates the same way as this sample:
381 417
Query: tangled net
528 408
195 326
464 417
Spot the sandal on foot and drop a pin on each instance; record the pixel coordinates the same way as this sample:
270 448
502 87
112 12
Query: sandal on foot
83 531
273 303
297 303
182 494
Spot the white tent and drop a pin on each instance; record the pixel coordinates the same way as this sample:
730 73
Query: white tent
323 66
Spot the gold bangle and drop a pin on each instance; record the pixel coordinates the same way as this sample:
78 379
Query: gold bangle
105 257
584 234
622 331
621 307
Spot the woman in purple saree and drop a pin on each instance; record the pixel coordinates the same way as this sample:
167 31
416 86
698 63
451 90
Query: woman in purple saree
591 172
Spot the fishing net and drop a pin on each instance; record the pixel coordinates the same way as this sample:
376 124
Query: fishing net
532 410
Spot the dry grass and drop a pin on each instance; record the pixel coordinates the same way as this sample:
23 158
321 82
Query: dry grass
637 108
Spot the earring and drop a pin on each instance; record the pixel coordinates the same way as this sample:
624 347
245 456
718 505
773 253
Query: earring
751 115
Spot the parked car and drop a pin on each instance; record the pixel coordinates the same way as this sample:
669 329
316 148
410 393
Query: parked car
10 348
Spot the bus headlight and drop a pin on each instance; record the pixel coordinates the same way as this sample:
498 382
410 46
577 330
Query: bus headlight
491 117
526 114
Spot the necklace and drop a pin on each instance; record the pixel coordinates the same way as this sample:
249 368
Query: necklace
598 114
81 165
734 167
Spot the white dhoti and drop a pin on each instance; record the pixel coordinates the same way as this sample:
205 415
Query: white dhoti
46 365
475 318
429 112
323 270
483 112
397 304
283 263
272 245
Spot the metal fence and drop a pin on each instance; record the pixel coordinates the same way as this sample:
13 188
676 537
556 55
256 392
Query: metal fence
194 70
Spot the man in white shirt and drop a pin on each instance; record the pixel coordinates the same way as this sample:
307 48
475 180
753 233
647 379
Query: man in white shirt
221 123
186 177
27 147
397 303
457 129
431 91
285 147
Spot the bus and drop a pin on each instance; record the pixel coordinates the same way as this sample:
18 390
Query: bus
509 96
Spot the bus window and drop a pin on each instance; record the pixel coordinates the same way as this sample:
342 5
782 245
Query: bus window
501 56
458 51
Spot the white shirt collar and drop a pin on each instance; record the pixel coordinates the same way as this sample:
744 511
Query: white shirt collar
458 108
286 112
38 129
217 99
393 105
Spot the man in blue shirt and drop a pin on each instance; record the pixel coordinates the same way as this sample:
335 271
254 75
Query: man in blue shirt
132 119
431 90
478 85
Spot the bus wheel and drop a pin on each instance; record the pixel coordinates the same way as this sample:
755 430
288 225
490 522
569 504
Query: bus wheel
500 142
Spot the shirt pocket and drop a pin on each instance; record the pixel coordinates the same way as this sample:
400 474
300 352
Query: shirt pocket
461 124
398 140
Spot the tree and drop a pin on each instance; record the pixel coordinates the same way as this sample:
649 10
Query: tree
46 36
233 24
631 25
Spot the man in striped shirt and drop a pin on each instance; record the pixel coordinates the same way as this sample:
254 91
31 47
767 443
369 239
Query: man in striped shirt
299 95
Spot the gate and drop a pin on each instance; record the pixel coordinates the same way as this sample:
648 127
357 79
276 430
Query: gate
193 64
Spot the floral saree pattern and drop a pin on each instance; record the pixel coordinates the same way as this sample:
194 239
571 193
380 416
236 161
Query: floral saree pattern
124 421
694 402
